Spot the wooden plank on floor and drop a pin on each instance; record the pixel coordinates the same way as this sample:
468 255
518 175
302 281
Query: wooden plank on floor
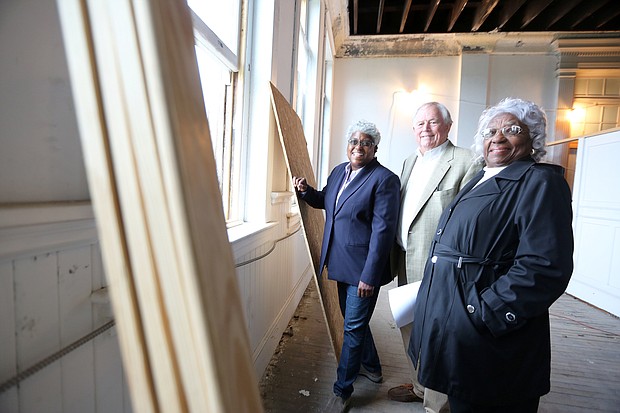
300 364
298 163
153 182
585 359
585 364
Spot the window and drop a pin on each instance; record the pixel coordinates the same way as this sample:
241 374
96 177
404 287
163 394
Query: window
304 55
216 30
323 167
308 74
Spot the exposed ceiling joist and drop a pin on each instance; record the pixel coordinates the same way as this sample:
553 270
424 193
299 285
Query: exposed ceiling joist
380 16
457 9
449 27
402 17
356 13
587 11
603 19
557 12
532 9
485 8
508 11
431 13
403 20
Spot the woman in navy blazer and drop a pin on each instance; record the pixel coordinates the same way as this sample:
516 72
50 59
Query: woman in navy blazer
361 201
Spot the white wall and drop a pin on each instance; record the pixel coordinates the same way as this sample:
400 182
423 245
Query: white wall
530 77
364 88
52 293
41 157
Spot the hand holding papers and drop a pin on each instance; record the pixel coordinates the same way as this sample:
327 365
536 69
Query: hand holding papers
402 300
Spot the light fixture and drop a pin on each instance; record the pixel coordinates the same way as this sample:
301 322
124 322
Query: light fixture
408 102
576 115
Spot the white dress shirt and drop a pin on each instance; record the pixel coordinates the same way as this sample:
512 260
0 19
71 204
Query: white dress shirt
489 173
423 169
348 177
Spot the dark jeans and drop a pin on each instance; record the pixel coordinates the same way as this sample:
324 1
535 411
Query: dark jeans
461 406
358 347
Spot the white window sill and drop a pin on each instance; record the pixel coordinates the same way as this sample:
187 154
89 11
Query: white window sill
247 237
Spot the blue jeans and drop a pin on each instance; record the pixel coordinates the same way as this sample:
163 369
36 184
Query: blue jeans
358 346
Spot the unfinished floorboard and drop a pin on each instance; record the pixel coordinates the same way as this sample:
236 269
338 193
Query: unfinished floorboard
585 362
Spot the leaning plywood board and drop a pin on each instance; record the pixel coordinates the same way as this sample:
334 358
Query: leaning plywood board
298 163
158 207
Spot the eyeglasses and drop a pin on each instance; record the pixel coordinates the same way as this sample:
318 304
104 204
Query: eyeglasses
510 130
364 143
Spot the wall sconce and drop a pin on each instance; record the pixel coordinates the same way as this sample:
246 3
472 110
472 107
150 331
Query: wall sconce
576 115
408 102
576 118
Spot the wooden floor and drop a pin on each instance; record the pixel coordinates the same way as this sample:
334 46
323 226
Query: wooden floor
585 362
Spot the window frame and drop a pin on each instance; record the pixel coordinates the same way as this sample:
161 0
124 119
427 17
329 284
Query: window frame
231 144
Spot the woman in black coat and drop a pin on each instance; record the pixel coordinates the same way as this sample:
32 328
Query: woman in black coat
502 254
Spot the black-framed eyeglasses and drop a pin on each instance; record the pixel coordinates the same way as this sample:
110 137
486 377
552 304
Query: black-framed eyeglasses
365 143
510 130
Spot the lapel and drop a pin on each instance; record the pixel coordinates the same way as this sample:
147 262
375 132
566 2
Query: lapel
338 178
495 185
406 173
355 184
443 165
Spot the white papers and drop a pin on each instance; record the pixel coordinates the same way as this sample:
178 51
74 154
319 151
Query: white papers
402 299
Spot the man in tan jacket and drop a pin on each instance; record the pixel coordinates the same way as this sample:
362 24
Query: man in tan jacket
430 179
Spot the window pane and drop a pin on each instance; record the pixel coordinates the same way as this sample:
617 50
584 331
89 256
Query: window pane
216 80
222 17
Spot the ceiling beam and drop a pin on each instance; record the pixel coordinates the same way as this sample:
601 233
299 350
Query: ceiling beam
589 8
484 9
405 15
356 10
532 9
508 10
457 9
556 12
610 13
380 15
431 13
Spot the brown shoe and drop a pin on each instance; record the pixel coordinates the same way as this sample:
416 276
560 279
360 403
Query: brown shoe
404 393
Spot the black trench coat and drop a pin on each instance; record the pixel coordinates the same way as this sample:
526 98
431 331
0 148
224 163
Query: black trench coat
481 328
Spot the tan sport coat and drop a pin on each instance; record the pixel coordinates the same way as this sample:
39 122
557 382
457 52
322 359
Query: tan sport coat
454 169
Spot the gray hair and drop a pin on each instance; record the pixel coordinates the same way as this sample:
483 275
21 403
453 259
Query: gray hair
445 113
527 112
365 127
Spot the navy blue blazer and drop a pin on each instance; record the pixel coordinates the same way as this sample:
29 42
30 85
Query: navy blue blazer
361 229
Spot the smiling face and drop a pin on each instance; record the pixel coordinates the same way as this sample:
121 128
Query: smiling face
503 149
429 128
360 155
